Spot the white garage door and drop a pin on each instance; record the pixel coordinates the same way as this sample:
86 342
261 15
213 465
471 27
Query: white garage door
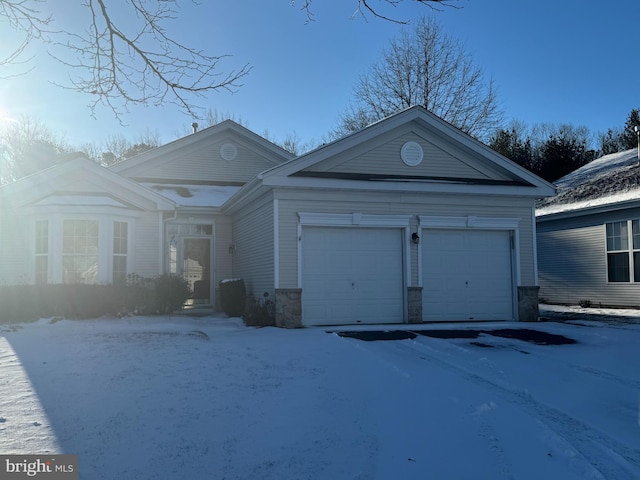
467 275
351 276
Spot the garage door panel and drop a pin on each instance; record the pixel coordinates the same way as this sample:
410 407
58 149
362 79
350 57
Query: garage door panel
352 275
467 275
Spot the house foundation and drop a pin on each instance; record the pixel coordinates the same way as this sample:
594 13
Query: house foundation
289 307
414 304
528 309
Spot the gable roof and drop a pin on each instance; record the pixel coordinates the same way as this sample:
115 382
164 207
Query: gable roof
607 183
93 185
194 144
343 164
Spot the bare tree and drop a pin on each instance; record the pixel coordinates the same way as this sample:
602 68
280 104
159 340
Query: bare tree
117 148
365 8
26 146
425 66
120 66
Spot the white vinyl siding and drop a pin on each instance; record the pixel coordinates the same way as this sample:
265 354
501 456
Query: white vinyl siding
42 252
147 246
290 203
253 256
382 156
206 164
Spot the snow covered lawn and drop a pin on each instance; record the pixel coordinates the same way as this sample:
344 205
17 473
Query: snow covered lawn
207 398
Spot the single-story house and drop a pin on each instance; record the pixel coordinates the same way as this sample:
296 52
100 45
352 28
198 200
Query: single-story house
407 220
589 235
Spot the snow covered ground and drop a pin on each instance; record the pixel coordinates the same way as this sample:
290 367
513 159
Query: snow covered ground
207 398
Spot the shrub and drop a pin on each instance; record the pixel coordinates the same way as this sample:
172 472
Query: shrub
163 294
259 312
233 295
171 291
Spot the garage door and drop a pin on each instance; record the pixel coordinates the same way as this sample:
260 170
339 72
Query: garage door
351 276
467 275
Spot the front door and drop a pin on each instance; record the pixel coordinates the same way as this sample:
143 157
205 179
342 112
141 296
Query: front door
196 269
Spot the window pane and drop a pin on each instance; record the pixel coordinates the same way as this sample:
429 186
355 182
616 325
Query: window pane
636 234
80 269
617 238
119 270
80 251
636 266
618 267
120 238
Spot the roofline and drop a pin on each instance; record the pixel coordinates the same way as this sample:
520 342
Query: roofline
593 210
387 124
44 176
193 138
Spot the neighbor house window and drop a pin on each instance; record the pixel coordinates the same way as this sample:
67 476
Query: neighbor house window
42 251
623 251
80 251
119 252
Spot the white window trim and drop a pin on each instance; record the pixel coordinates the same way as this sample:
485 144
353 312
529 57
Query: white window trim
105 244
629 251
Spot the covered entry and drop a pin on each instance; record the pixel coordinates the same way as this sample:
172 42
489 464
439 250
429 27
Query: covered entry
352 275
467 275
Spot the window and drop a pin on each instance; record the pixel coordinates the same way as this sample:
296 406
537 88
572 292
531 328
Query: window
42 251
119 252
80 251
623 251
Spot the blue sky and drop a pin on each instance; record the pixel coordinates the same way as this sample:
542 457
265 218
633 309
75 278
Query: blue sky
553 61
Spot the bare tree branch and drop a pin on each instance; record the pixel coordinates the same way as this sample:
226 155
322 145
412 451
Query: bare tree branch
424 66
120 67
365 8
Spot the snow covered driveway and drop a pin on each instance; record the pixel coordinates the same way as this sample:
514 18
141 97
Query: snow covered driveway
207 398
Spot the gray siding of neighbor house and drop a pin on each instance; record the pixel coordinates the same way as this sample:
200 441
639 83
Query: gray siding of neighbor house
572 262
398 203
253 239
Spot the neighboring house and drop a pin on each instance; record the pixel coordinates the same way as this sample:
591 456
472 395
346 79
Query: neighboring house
589 235
408 220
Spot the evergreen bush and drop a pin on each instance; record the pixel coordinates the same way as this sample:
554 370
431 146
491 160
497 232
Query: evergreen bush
233 296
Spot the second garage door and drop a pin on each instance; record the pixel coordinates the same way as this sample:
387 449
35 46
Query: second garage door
352 275
467 275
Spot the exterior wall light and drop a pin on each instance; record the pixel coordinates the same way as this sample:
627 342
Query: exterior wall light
415 238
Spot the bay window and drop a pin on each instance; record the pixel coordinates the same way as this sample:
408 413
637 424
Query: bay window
81 250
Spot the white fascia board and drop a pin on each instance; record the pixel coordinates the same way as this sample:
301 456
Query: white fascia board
409 186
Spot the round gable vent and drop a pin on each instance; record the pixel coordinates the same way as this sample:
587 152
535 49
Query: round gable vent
411 154
228 151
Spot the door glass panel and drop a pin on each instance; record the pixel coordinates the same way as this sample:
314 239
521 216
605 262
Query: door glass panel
196 269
